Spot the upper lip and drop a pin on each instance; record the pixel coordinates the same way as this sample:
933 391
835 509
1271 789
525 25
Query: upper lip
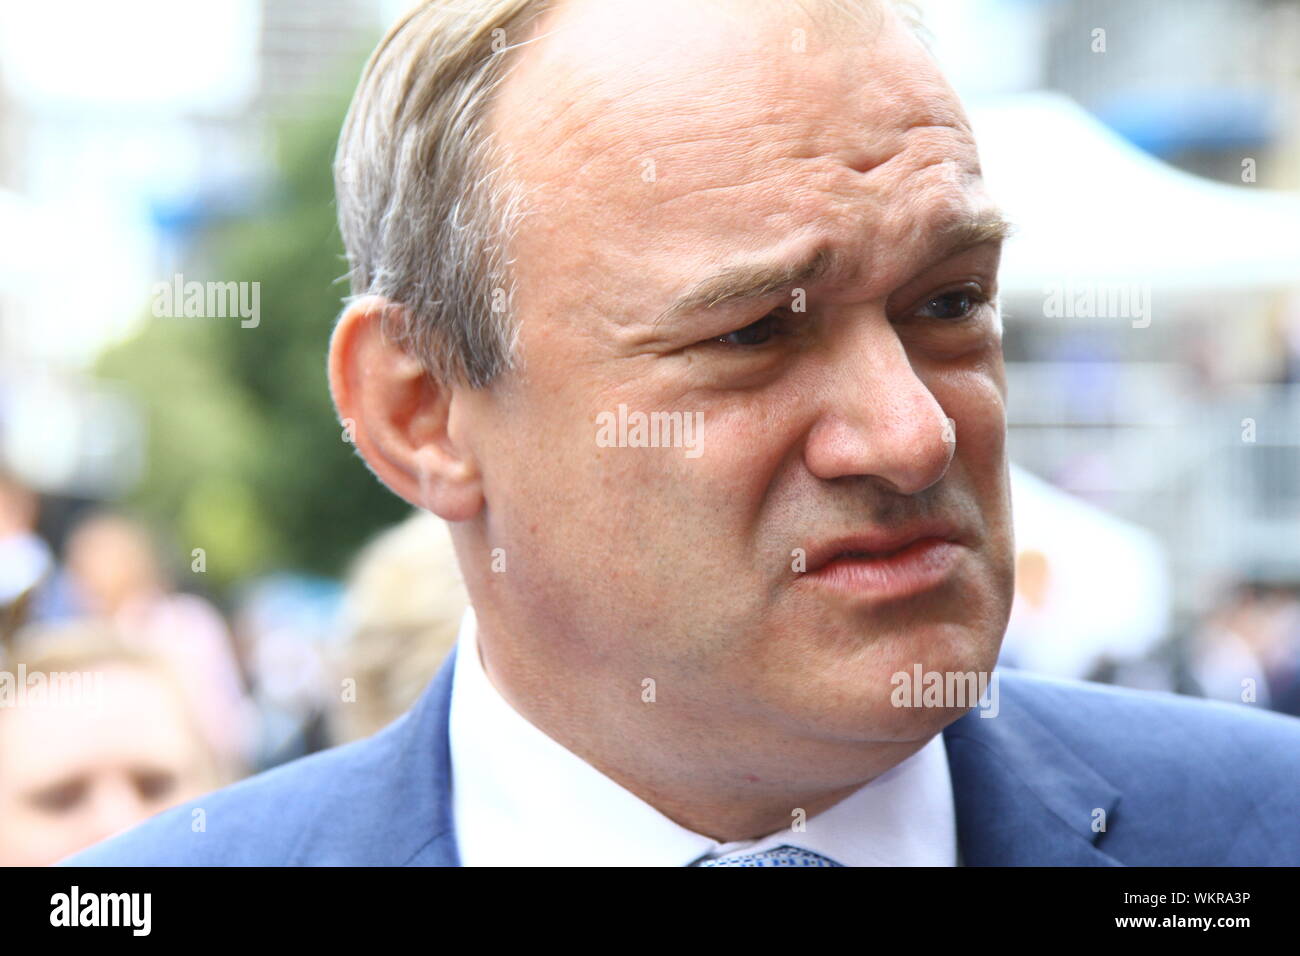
879 543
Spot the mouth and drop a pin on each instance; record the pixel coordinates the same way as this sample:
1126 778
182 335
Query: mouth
886 567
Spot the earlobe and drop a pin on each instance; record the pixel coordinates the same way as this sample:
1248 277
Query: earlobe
398 414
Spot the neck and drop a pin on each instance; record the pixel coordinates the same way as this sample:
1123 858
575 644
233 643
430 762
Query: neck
718 773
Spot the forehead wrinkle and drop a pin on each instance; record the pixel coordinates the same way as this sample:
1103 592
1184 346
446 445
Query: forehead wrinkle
748 281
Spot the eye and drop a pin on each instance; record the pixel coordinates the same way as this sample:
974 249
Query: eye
953 306
63 797
154 784
756 333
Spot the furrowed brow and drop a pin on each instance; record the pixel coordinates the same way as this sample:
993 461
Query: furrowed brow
756 280
747 281
986 226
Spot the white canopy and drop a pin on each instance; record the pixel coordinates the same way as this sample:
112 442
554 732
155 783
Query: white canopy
1101 586
1091 207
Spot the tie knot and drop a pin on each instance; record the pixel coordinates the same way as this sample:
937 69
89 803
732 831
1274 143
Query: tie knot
777 856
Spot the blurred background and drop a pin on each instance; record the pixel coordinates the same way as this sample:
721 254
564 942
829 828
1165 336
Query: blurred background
178 505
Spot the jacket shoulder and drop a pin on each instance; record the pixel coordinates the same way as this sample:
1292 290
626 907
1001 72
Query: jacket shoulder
1138 722
1199 781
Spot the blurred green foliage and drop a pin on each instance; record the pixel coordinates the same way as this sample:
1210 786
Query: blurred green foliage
246 458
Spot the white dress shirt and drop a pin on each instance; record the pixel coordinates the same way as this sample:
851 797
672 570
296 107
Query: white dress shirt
521 799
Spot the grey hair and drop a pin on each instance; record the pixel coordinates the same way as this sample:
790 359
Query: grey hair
426 203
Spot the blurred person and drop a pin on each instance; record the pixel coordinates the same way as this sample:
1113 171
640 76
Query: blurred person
774 220
25 558
1289 334
117 744
1225 652
1283 658
402 611
1248 649
286 628
113 569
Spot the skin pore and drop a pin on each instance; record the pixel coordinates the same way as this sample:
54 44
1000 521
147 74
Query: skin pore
663 143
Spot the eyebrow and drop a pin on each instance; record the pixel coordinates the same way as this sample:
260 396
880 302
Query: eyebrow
755 280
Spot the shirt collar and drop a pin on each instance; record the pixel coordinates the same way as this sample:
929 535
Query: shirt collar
521 799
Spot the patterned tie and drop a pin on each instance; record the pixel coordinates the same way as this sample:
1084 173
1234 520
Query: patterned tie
778 856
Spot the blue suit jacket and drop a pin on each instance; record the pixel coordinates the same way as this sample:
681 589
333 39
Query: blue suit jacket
1181 781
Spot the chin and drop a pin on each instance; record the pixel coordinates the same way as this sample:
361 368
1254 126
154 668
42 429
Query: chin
898 725
906 685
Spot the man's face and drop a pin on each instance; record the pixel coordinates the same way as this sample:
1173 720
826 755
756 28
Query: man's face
663 143
74 773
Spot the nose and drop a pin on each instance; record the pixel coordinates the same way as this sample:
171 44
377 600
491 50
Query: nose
880 420
115 806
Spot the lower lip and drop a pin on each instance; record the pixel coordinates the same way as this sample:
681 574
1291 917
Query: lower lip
921 566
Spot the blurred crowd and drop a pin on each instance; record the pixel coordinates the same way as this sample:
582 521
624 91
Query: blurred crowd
176 698
124 692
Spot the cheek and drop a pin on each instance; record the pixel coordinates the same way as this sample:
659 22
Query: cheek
746 441
974 399
586 509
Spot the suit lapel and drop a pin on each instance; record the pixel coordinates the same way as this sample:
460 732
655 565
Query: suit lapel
1022 797
429 748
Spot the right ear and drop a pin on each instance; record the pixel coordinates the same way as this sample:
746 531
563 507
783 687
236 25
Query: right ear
398 413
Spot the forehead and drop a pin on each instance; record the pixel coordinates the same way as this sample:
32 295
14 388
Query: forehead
129 716
592 67
644 132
